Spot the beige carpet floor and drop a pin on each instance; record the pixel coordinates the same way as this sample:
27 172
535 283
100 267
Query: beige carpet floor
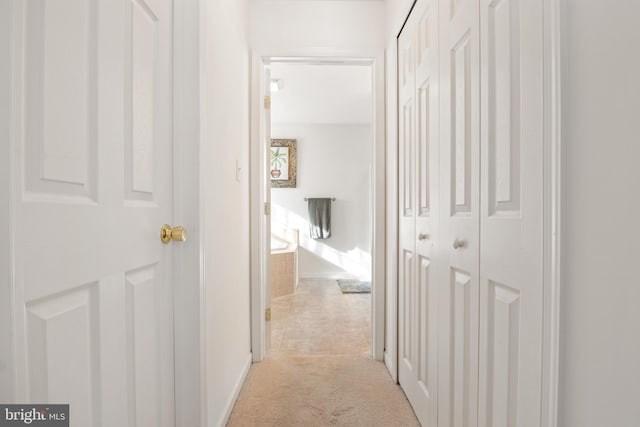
319 372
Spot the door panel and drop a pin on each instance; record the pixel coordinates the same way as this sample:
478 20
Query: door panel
425 332
408 311
407 148
142 338
459 220
461 172
501 339
407 355
418 369
511 310
92 161
55 325
60 115
425 150
140 82
503 102
463 348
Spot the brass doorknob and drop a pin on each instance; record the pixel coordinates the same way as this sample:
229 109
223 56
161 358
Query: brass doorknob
178 234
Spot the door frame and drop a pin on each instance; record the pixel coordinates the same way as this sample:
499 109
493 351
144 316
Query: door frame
554 17
7 377
375 59
554 20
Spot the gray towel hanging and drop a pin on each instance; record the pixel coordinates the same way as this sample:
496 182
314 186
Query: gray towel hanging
319 218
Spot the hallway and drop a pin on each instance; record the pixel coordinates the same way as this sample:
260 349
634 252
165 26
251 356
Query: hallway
319 371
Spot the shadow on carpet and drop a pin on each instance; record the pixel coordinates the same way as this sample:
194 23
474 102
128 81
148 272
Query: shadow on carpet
352 286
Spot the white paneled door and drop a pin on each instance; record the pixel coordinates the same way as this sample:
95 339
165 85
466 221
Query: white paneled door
92 161
418 158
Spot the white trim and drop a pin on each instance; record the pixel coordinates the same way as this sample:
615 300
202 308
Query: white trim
391 344
203 75
552 209
256 203
19 367
390 367
7 350
378 218
258 300
233 397
391 261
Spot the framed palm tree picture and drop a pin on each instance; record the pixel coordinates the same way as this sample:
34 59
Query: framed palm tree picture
284 163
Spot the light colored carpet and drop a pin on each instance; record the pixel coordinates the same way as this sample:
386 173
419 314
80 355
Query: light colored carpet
319 320
319 372
321 391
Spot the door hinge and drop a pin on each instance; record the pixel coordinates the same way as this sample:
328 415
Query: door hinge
267 208
267 102
267 314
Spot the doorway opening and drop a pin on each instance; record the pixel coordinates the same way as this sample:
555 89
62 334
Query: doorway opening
318 146
321 175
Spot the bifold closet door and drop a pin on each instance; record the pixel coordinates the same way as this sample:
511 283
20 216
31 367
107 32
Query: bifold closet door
418 100
459 212
471 224
511 271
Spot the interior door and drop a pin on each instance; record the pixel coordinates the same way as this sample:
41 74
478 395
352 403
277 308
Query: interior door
92 146
511 270
418 154
460 209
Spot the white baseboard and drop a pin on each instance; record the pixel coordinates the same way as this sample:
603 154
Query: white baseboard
236 391
389 364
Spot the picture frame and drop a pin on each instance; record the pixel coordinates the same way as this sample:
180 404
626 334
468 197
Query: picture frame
283 163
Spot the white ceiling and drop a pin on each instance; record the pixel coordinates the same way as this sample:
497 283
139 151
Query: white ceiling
322 94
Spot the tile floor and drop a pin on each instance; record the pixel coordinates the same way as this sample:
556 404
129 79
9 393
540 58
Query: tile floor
318 319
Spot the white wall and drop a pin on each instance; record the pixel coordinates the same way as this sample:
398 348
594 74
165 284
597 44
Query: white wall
396 12
344 25
600 314
225 140
6 345
334 160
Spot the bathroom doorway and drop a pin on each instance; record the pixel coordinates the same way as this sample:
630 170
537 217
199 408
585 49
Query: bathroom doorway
318 280
321 174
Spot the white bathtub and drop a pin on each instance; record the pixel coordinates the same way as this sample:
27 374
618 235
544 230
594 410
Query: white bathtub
278 244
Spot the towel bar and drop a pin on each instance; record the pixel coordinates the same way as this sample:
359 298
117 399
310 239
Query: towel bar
333 199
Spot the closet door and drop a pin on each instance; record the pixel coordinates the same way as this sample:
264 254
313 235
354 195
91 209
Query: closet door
418 370
511 275
459 213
